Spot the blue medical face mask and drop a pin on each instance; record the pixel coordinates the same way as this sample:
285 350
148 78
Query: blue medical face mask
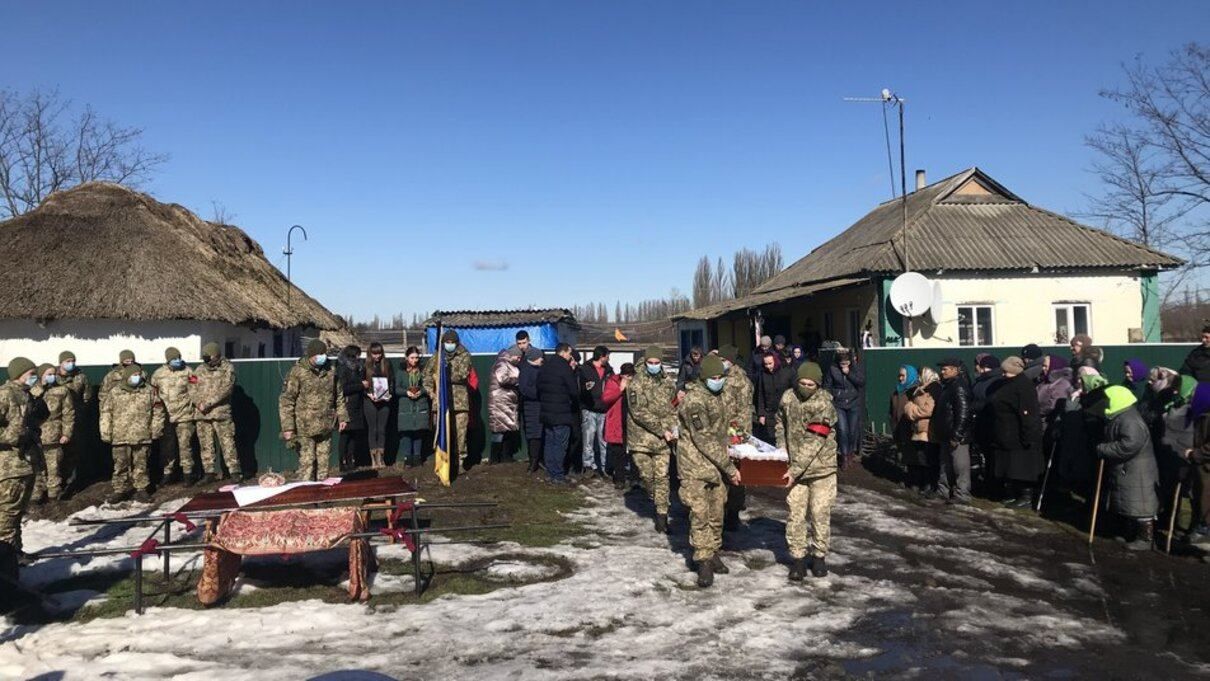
69 366
320 360
177 363
135 380
655 369
715 385
32 380
49 379
449 347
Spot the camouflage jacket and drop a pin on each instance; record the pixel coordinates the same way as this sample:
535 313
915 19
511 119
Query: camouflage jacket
112 380
737 394
174 389
311 402
59 414
460 372
213 390
649 411
18 436
132 415
78 384
811 455
701 451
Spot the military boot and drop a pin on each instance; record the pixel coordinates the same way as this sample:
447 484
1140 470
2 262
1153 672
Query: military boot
118 497
1144 536
719 566
209 479
819 567
661 523
798 569
171 477
705 573
142 496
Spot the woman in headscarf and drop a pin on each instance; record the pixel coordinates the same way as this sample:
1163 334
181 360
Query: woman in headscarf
1130 471
1017 435
922 457
901 425
1172 432
1083 354
797 356
988 378
1199 459
1134 377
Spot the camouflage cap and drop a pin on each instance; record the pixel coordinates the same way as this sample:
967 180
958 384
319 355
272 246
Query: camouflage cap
126 355
316 347
18 366
67 355
171 354
728 352
810 370
653 352
712 366
211 349
43 368
131 370
450 336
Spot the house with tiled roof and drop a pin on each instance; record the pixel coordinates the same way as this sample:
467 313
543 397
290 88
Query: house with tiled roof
1006 273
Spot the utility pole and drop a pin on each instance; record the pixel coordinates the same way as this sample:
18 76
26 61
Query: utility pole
289 253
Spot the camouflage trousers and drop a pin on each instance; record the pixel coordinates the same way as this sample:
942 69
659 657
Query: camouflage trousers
14 498
48 477
177 445
706 502
461 423
653 470
130 466
810 502
314 454
224 432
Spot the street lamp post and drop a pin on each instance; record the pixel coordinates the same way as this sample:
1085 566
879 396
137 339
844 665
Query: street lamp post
289 251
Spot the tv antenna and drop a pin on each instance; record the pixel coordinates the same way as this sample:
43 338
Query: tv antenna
888 98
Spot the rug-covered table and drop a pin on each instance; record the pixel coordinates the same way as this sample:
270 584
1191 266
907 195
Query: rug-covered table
283 525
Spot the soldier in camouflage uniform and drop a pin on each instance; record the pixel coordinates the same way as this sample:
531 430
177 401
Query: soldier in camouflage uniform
77 382
132 417
114 377
173 382
737 395
58 407
459 360
651 430
211 388
704 467
804 427
311 404
18 448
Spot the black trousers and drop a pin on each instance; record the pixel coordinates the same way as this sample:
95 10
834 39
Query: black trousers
377 416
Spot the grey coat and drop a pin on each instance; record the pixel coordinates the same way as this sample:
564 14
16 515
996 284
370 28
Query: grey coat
1132 474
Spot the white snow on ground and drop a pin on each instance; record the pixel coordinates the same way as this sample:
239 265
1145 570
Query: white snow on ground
630 610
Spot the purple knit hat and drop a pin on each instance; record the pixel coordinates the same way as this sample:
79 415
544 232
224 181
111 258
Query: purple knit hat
1137 369
1200 402
1057 362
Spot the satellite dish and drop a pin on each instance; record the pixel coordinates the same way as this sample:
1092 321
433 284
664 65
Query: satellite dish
935 307
911 294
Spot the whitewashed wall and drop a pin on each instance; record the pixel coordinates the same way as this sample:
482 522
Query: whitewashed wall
98 341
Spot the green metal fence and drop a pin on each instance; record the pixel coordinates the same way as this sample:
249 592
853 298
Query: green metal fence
258 384
882 366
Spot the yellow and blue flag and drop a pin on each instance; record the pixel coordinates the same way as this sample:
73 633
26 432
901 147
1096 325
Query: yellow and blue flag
441 447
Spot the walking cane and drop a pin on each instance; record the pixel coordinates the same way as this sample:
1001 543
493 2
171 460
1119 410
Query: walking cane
1176 503
1050 463
1096 502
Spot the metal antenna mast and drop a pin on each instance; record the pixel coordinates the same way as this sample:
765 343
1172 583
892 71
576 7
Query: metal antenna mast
289 251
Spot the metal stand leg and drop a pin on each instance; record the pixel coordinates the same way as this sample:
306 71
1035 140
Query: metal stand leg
167 541
138 585
417 539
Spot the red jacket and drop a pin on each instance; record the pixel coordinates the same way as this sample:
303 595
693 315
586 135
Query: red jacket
611 396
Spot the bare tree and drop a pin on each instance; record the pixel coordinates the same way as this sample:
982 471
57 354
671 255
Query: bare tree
703 277
45 148
219 214
750 269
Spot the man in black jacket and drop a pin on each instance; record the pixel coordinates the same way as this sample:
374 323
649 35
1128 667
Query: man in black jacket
559 396
952 427
1197 363
771 384
592 377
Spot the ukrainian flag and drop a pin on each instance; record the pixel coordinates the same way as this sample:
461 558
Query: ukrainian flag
441 447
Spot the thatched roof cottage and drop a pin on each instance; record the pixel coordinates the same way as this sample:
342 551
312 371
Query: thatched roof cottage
100 267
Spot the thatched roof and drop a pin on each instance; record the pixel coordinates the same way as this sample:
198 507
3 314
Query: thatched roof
966 222
488 318
103 251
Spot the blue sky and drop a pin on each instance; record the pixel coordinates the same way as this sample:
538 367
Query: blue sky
596 148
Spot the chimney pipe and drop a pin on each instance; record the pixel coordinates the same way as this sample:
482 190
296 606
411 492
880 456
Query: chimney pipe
920 181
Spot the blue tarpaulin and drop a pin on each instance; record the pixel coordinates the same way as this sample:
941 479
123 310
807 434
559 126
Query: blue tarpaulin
493 339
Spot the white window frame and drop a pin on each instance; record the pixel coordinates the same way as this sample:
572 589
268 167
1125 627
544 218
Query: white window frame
974 308
1070 307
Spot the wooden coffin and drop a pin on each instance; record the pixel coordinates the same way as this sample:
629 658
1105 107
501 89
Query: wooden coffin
758 473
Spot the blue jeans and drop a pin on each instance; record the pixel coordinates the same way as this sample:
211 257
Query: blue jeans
411 444
555 449
848 430
593 426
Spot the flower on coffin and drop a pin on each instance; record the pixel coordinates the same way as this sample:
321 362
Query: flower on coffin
735 434
271 479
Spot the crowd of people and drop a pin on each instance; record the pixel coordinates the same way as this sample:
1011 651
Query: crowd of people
1015 427
1034 422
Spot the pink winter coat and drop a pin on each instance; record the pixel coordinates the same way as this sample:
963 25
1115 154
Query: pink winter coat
503 396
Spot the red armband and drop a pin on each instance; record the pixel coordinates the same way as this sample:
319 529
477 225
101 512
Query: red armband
820 429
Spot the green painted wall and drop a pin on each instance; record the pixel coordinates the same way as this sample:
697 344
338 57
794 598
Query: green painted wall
882 366
1152 327
257 430
890 322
